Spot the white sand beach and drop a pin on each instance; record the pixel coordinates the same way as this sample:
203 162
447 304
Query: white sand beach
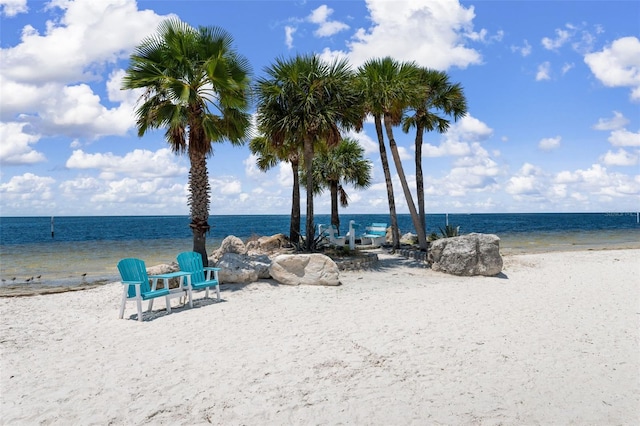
553 341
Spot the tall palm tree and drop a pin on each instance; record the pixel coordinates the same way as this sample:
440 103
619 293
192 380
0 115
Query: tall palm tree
197 87
438 95
307 100
343 165
269 155
389 87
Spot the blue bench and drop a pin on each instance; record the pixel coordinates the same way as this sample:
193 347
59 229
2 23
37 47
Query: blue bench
376 232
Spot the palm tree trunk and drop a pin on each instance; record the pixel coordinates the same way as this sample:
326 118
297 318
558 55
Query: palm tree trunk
395 232
420 179
308 164
335 220
199 203
294 227
422 239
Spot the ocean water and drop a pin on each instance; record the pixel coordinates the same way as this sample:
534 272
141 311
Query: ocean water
87 249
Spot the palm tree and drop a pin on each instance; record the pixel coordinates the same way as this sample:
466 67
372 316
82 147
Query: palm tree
307 100
389 87
334 168
269 155
197 87
437 95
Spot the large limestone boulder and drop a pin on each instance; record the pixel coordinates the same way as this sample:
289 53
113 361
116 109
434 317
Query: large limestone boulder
472 254
310 269
230 244
268 244
408 238
239 268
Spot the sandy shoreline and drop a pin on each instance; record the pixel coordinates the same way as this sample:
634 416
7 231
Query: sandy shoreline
553 341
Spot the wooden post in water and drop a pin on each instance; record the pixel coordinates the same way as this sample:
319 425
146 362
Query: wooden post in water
51 226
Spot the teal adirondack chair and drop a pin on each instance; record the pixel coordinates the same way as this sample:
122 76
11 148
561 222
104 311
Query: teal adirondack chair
191 262
136 286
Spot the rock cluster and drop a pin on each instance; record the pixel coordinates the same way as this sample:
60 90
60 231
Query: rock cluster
269 257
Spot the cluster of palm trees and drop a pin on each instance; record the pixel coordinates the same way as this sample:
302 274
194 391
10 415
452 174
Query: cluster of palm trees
198 88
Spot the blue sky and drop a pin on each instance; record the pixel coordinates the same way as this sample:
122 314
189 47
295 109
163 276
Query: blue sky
553 90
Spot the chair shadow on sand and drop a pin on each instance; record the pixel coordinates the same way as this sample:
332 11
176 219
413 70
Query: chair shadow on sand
161 313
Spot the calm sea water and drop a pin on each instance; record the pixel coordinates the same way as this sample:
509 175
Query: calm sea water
93 245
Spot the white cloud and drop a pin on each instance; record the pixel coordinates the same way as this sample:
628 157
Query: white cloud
562 37
289 31
139 195
27 192
227 185
251 168
618 65
369 145
543 71
446 148
80 40
624 137
27 183
16 145
524 50
285 175
567 67
11 8
599 182
430 32
620 158
138 163
618 121
549 144
474 172
48 77
326 27
528 181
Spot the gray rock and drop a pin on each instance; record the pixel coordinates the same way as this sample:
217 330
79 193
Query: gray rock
230 244
239 268
472 254
409 238
268 245
309 269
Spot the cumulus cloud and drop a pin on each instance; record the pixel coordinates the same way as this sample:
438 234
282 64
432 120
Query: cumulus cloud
549 144
598 181
618 121
528 181
48 78
459 139
138 163
620 158
618 65
624 137
474 172
28 192
71 48
430 32
251 168
226 185
10 8
326 27
16 146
